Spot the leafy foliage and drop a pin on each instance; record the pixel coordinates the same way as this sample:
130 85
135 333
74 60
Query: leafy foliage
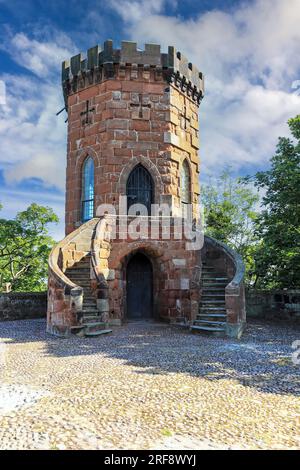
24 248
277 260
229 205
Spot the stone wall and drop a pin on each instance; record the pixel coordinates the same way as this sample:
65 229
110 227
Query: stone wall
175 288
23 305
277 305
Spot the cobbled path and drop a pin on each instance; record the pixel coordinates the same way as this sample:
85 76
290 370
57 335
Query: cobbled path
148 386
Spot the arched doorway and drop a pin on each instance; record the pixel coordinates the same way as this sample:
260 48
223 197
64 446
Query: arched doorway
139 286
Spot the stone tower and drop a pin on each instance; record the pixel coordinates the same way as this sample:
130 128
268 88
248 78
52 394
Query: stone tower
141 108
132 131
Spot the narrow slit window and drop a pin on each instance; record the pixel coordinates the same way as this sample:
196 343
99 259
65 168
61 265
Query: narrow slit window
185 188
88 190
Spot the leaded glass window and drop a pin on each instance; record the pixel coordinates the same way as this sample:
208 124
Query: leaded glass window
140 188
88 190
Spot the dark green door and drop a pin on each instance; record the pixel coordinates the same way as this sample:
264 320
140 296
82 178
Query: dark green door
139 288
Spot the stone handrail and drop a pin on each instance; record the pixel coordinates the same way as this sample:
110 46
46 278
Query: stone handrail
55 253
235 258
97 238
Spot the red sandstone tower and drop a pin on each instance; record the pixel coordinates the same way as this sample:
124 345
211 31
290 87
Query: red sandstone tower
132 131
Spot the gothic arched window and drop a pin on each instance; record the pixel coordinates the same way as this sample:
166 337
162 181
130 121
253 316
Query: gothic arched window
87 190
139 189
185 186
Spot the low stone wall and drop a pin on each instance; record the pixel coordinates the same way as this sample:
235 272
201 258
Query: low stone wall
277 305
23 305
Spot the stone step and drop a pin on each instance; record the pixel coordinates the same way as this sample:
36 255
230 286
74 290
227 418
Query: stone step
212 301
208 322
212 310
212 290
77 276
90 318
214 281
208 328
92 327
97 333
78 269
90 311
82 276
99 324
211 315
215 277
213 295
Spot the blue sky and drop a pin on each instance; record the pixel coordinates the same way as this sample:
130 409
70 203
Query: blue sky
248 51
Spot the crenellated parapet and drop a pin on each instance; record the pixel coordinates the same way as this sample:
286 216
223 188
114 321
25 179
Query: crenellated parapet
128 62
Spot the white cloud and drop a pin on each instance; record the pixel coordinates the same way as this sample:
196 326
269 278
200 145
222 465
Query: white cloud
42 57
250 59
135 10
32 136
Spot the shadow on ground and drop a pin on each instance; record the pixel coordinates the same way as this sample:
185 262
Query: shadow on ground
261 359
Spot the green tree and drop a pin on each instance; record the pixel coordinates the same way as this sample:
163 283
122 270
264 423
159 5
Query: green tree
24 248
229 214
277 260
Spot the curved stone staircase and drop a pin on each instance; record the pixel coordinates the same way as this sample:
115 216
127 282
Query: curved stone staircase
91 324
73 285
222 305
212 308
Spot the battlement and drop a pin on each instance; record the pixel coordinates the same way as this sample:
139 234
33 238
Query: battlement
100 63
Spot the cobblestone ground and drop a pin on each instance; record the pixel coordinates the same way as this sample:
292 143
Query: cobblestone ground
148 386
